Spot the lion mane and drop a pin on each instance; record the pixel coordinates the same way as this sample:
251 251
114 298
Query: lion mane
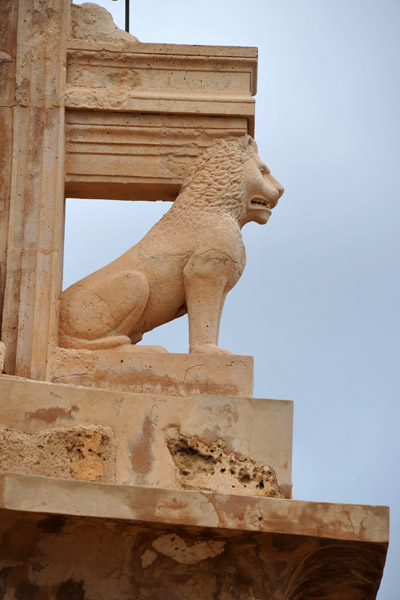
215 180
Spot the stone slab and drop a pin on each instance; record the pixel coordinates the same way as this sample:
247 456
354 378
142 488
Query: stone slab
154 372
50 495
69 539
209 442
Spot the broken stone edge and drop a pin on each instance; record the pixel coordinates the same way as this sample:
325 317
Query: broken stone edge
351 522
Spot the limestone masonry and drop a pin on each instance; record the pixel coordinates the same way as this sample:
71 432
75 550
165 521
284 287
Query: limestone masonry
127 471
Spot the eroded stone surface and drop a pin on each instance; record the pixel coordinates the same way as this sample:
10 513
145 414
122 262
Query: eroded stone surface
92 22
210 467
175 547
85 453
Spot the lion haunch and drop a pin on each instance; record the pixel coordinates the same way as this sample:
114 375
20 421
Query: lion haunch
187 262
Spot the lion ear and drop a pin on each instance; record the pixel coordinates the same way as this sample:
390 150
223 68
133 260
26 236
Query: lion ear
251 144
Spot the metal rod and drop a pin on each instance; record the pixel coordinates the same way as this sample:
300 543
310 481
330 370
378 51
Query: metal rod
127 15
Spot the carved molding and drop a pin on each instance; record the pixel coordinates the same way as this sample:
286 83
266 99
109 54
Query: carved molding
137 156
163 78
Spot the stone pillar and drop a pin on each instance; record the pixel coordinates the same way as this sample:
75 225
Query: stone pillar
8 36
35 218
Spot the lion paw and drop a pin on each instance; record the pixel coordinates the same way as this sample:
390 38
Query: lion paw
208 349
143 349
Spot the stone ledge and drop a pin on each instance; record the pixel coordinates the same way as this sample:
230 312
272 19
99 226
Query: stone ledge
346 522
155 372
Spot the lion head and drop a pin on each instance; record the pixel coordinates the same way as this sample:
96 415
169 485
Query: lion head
230 177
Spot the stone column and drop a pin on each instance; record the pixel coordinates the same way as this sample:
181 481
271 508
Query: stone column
8 39
35 220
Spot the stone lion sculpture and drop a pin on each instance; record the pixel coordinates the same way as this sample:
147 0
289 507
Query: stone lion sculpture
186 263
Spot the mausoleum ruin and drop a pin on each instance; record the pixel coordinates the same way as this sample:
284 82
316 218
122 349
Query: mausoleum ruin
128 471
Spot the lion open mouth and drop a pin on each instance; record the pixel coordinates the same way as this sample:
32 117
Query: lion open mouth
264 203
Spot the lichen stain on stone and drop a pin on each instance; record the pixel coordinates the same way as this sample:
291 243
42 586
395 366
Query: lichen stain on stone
140 449
175 547
50 415
210 467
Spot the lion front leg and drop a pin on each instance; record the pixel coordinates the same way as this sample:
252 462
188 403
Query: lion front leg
207 279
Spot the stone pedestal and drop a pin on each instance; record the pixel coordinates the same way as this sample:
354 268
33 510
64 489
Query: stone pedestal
226 444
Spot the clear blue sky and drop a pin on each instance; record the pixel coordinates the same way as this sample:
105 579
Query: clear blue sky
318 305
